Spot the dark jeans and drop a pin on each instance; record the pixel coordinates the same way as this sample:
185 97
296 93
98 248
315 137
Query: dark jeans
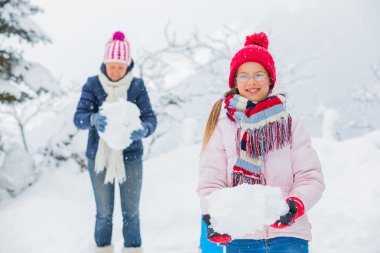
274 245
130 191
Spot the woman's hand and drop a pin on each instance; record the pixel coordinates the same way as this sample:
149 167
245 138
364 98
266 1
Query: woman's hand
99 121
140 133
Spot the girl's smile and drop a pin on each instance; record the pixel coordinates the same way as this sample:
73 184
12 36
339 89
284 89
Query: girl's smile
253 90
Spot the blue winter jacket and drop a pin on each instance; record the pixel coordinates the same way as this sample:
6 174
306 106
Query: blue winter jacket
93 96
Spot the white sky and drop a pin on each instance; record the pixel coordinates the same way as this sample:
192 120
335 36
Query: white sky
80 29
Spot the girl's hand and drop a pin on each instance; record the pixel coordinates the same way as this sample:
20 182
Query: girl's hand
213 236
296 209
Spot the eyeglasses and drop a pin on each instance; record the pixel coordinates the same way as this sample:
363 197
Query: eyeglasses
258 76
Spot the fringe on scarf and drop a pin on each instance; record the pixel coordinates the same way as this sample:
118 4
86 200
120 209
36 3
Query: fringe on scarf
260 141
238 140
112 162
239 177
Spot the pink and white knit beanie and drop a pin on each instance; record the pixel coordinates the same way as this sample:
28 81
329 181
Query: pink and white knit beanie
118 49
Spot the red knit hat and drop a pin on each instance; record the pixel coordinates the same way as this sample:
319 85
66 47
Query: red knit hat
255 50
118 49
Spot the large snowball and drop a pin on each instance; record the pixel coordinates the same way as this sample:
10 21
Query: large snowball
122 120
244 209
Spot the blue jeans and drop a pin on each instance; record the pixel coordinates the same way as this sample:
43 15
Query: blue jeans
274 245
130 191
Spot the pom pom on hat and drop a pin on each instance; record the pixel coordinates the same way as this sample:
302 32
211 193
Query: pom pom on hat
255 50
259 39
118 36
118 49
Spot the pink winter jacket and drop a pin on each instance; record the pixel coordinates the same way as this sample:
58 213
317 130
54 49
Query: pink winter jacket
295 169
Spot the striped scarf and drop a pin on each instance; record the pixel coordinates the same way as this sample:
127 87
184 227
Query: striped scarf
262 127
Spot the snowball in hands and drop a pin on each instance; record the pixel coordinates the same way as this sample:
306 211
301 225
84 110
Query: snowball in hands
244 209
122 120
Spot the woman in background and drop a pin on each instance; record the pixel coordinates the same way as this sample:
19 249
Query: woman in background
107 166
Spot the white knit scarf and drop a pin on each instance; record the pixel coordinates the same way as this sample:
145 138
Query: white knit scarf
106 157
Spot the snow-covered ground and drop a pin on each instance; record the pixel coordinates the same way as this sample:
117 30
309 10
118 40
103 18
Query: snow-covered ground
57 213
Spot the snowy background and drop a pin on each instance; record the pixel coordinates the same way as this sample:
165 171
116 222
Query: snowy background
327 55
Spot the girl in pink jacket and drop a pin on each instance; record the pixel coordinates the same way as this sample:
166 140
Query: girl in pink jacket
259 142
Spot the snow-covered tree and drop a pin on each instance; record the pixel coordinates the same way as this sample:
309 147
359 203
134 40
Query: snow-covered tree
16 27
185 77
21 80
26 89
